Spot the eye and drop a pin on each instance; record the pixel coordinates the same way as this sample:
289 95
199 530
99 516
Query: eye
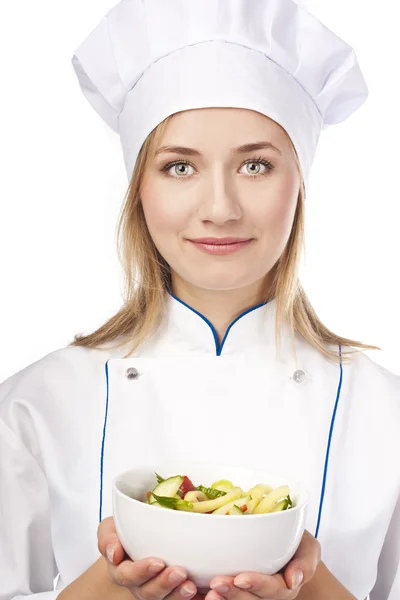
179 174
183 165
259 162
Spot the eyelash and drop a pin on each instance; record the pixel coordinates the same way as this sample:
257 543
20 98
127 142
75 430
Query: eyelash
260 159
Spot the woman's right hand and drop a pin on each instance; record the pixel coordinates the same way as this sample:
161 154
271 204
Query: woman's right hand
146 579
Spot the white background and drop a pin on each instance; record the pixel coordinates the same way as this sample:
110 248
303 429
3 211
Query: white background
62 183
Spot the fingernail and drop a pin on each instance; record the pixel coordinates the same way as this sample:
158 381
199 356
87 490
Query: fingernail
155 567
297 579
176 576
220 587
242 584
188 590
110 552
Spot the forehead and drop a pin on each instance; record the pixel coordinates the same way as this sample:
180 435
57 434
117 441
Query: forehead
221 128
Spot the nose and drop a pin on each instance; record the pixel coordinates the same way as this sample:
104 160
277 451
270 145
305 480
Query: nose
219 200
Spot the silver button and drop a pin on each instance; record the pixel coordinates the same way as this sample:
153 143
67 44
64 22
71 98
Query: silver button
132 373
299 376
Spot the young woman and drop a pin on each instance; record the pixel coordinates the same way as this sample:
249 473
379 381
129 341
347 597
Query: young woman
216 352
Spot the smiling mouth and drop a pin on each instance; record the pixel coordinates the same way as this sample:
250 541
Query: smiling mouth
223 241
220 248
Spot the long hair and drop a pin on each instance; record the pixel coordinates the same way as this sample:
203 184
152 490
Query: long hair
147 278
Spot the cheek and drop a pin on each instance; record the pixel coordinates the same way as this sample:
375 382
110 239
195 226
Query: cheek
276 212
163 215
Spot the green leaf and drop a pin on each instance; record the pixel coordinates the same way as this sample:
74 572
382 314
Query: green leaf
290 501
166 501
159 478
211 493
174 503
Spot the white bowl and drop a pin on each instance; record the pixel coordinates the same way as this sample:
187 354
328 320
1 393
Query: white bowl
207 545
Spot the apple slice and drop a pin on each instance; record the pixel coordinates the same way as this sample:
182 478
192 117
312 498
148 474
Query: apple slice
258 491
223 510
211 505
269 501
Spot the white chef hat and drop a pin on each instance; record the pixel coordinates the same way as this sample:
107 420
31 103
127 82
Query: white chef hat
148 59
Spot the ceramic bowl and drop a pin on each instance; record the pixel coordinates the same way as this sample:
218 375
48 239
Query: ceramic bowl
207 545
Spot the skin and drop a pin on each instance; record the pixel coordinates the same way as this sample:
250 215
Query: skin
218 195
134 575
114 576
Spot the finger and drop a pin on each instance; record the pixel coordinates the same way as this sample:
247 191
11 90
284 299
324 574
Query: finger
254 584
134 574
171 582
304 563
225 587
108 542
213 595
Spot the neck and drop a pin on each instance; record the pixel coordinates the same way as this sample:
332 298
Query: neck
220 307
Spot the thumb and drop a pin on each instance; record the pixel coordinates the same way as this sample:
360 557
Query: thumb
107 538
306 560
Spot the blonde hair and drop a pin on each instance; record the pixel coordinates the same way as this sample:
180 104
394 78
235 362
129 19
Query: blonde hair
148 278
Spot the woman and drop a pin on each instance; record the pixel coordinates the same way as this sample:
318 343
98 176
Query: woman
216 351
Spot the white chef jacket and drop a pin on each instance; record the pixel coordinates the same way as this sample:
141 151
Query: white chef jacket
77 417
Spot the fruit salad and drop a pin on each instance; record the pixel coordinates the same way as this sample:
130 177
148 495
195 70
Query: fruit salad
221 498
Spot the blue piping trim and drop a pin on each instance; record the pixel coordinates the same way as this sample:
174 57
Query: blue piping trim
329 444
211 326
102 448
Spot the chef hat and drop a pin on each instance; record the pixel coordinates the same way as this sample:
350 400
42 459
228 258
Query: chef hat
148 59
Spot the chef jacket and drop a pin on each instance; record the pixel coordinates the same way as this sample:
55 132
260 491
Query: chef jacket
77 417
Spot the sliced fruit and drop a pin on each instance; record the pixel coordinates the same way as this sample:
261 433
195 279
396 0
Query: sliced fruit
196 496
258 491
269 501
282 505
223 485
251 505
186 486
167 488
224 510
211 505
235 510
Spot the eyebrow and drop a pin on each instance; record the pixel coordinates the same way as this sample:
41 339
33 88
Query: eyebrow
239 150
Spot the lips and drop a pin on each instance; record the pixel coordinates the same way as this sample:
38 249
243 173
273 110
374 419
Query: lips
220 241
221 248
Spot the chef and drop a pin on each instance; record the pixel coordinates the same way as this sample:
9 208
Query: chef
216 354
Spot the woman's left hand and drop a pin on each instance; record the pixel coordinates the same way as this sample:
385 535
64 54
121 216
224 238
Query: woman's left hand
271 587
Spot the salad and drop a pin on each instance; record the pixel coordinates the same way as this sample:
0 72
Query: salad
222 498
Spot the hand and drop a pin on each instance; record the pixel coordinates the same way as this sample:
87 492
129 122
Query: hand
271 587
135 575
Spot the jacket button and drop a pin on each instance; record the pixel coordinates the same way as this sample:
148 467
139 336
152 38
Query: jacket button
132 373
299 376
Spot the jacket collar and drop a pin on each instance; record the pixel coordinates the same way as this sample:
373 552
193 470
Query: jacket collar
192 332
185 332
